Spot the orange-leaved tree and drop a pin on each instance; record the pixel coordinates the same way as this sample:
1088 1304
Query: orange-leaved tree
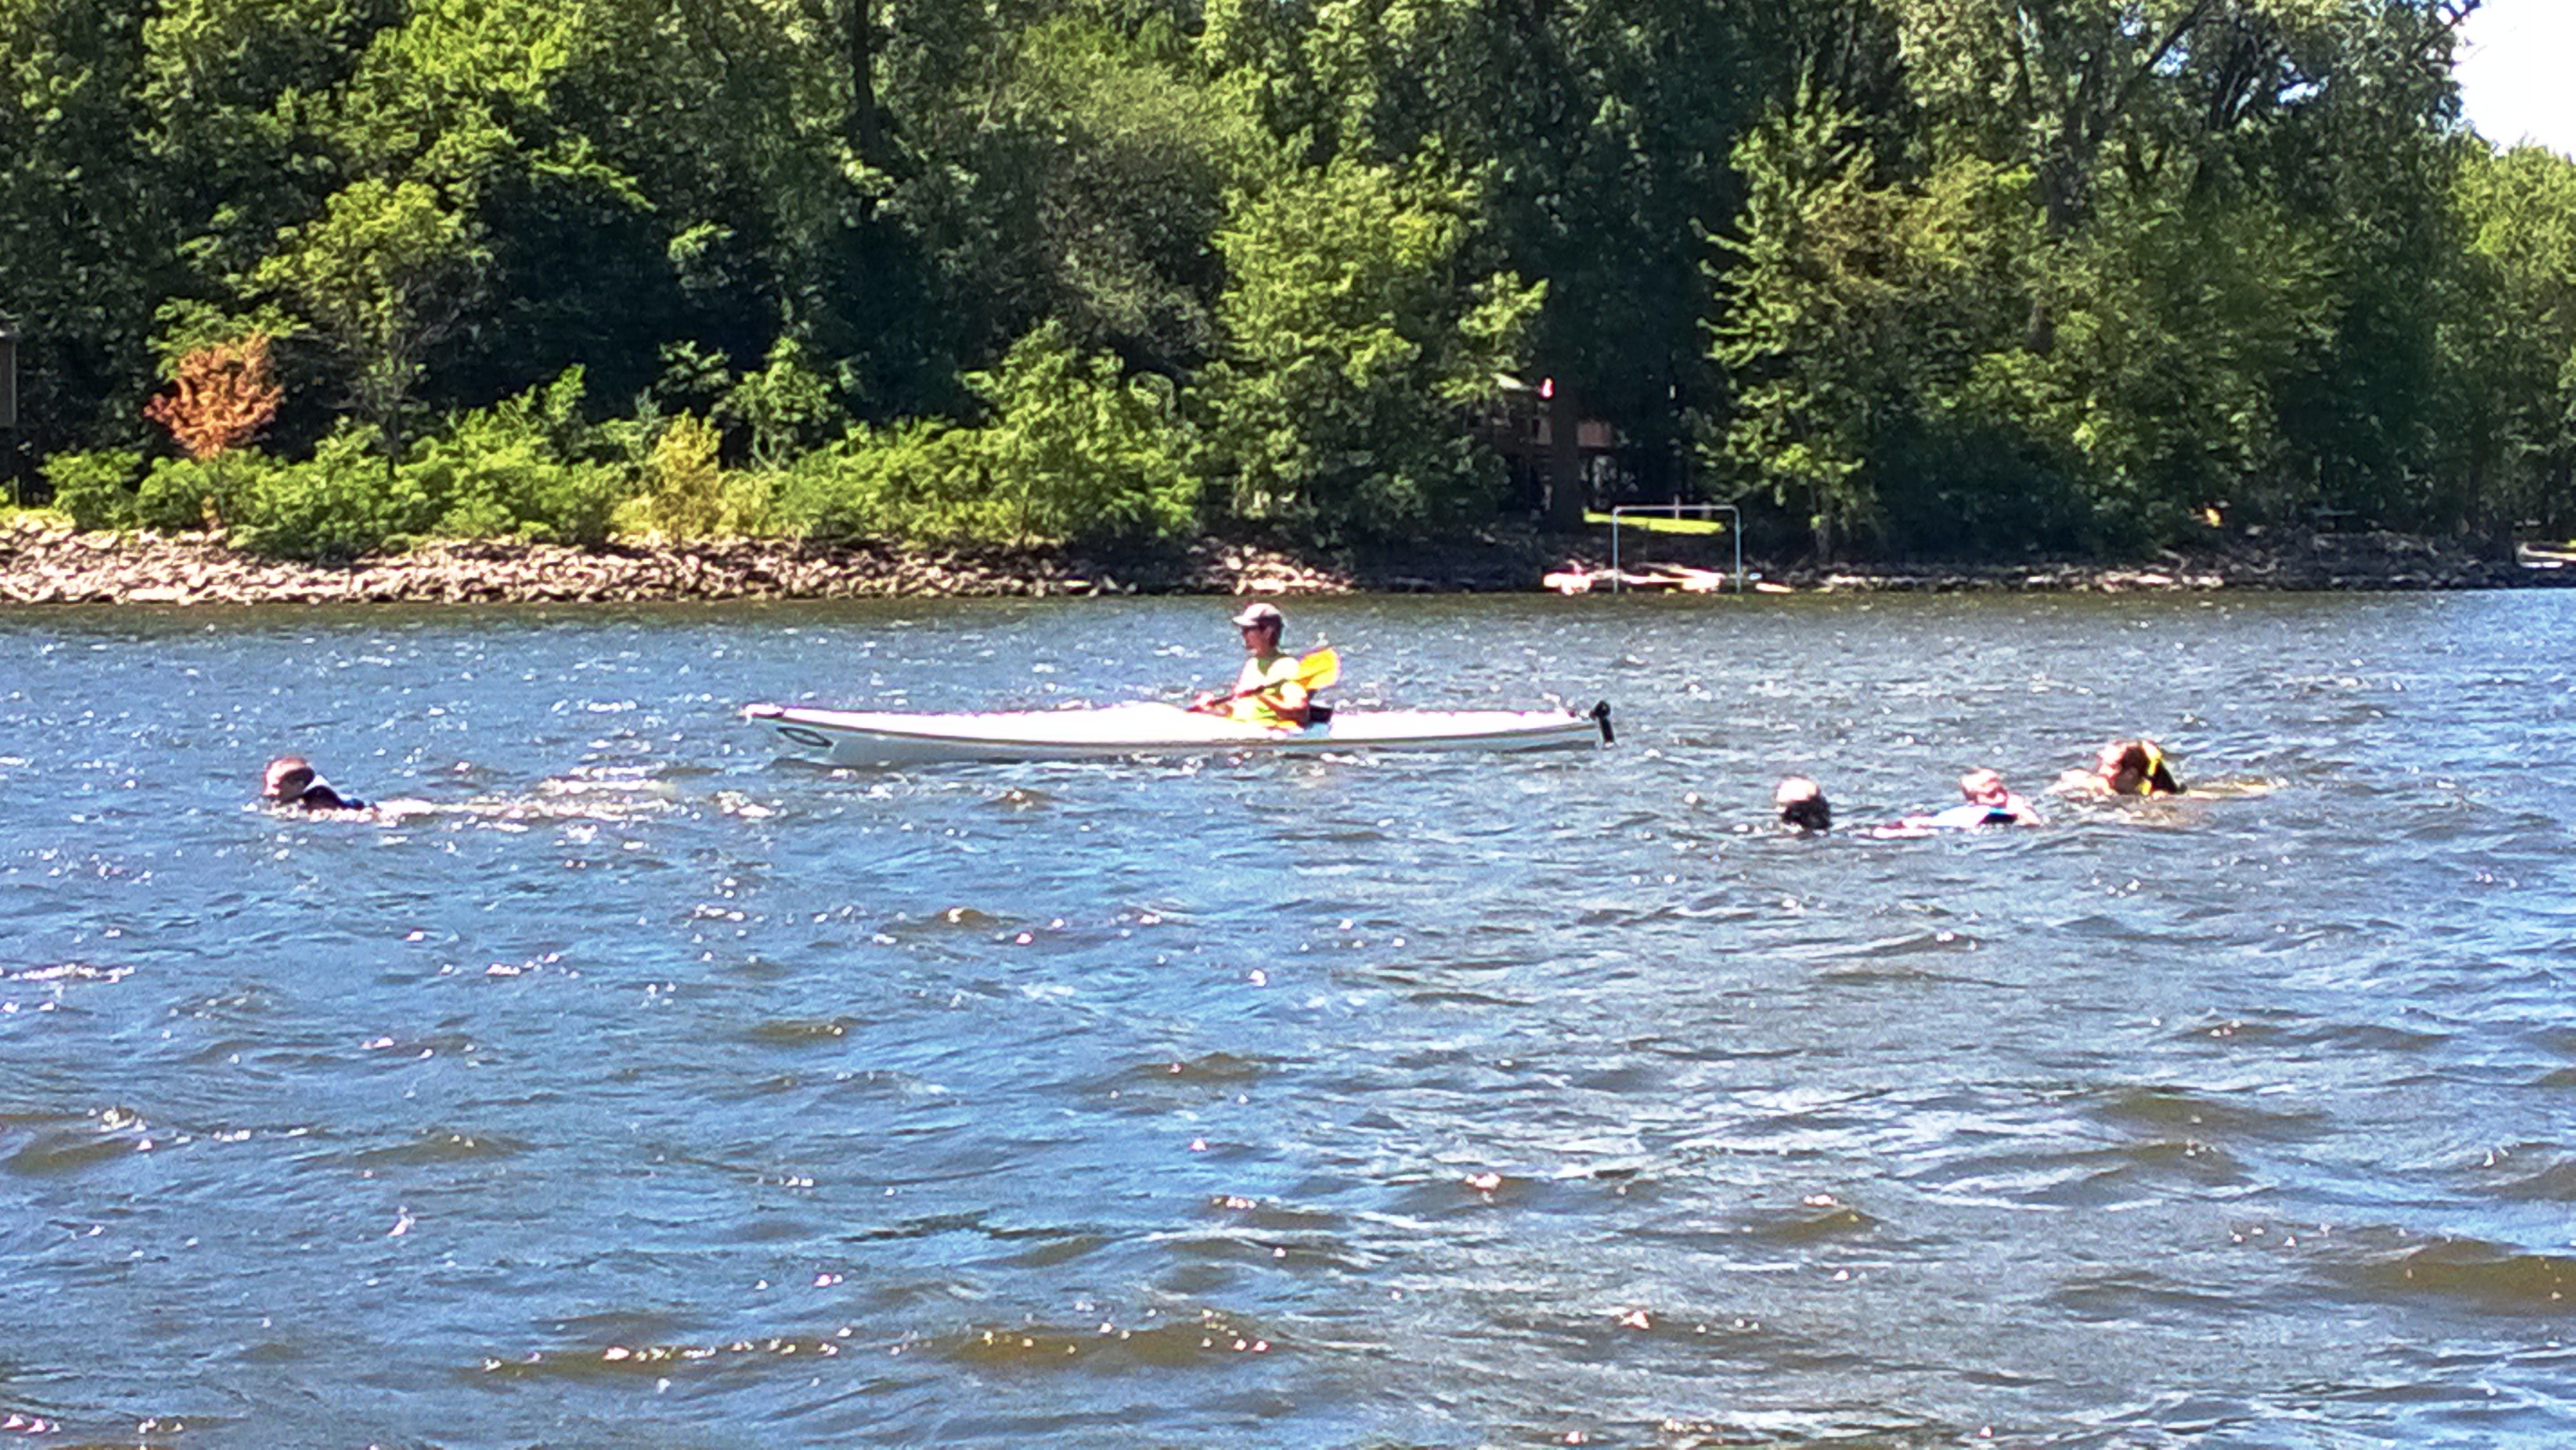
221 397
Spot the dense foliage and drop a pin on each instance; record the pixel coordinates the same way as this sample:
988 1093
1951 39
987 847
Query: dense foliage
1958 276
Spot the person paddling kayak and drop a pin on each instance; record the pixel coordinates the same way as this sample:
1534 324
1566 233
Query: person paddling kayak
1270 691
292 782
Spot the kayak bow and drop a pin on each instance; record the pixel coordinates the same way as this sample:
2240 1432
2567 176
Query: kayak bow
864 737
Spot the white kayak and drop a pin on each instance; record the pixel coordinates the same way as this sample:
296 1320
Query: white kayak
864 737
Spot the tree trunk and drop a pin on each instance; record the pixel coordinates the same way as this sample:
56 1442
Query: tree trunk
863 79
1564 460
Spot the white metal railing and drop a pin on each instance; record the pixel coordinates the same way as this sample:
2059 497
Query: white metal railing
1676 511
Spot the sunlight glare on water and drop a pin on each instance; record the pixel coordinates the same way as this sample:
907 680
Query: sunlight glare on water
625 1081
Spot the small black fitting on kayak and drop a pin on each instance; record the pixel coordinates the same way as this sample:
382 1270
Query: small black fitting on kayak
1601 717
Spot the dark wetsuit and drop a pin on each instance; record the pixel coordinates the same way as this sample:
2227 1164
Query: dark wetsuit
1969 817
320 797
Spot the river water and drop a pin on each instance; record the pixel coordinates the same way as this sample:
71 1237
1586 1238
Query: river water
640 1086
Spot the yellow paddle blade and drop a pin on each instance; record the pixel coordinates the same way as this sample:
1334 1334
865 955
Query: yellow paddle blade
1654 524
1319 669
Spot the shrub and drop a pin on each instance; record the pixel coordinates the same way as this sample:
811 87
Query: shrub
221 397
515 491
210 493
176 494
514 470
1081 454
788 406
683 484
920 480
1071 453
750 502
344 502
572 503
96 489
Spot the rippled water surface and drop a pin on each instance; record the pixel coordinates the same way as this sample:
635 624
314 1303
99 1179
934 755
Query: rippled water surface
639 1086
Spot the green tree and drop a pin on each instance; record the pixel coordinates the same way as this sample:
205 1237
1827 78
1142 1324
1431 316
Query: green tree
2000 272
2112 266
1355 356
1803 338
85 242
2513 342
1069 451
1601 130
382 275
787 406
1079 453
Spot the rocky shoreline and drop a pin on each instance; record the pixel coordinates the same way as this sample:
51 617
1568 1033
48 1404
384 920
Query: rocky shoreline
43 562
2371 561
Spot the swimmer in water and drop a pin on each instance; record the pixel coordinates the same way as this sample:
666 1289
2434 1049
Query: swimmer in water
1986 802
2003 807
1802 805
2123 768
291 782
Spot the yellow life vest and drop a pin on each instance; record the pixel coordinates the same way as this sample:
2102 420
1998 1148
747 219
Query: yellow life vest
2155 767
1270 686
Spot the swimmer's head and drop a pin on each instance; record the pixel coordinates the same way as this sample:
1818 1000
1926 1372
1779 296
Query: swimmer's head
2135 767
288 778
1802 805
1983 787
